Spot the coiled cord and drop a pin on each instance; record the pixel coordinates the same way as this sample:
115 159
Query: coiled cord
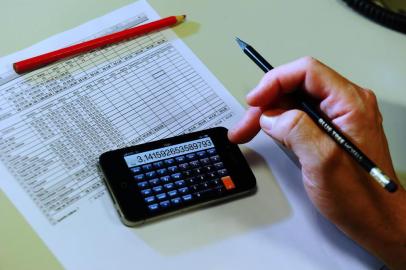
379 14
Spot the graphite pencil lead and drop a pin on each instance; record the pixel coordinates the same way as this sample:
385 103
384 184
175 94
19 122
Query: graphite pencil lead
241 43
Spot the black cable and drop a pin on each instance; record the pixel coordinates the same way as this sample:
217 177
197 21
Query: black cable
379 14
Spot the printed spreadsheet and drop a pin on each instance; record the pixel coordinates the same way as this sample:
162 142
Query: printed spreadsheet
56 121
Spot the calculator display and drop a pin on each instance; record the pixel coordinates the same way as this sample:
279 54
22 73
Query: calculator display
168 152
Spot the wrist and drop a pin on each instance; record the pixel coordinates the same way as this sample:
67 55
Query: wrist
386 238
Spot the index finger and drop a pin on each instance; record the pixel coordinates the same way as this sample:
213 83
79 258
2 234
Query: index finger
247 127
316 79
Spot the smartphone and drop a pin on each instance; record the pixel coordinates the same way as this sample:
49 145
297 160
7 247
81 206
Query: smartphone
164 177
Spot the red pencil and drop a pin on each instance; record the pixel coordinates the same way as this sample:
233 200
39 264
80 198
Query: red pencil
51 57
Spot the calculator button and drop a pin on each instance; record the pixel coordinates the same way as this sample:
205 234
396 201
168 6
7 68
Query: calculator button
139 177
228 182
161 196
204 185
211 151
219 165
184 190
184 166
194 188
143 184
187 197
187 173
147 167
199 195
212 175
172 193
201 154
158 164
222 172
150 199
165 179
200 178
204 194
197 171
191 156
208 168
194 163
136 170
180 183
146 192
215 158
219 190
150 174
162 171
173 169
205 161
216 183
191 181
176 200
153 207
176 176
154 182
180 159
157 189
169 162
169 186
164 204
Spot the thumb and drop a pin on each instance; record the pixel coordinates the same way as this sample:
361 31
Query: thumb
297 131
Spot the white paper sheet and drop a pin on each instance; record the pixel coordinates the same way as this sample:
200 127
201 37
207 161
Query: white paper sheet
54 123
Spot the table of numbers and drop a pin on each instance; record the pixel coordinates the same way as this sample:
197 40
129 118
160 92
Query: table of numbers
56 121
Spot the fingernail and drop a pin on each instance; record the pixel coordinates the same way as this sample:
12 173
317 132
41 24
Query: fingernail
267 121
230 134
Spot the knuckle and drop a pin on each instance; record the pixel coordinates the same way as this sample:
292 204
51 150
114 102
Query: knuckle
310 61
371 102
370 96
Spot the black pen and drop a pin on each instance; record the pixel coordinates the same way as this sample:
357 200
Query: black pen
326 125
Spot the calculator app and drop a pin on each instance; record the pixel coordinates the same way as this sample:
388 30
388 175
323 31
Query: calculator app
179 173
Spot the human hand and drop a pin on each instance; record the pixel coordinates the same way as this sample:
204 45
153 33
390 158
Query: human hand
338 187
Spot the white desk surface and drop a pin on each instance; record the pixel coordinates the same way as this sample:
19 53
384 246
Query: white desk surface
367 53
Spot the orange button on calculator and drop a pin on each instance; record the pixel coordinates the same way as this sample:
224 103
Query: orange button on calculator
228 182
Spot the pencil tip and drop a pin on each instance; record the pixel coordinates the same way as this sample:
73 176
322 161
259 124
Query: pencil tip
180 18
241 43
